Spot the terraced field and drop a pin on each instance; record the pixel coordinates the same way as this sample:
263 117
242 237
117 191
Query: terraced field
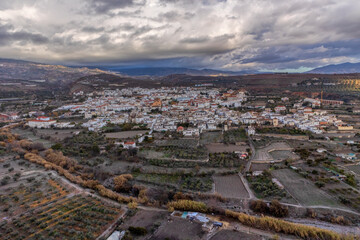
47 210
82 216
230 186
303 190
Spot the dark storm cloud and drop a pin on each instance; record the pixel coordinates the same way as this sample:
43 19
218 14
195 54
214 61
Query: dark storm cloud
93 29
200 39
8 35
104 6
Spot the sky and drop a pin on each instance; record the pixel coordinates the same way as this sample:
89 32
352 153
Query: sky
274 35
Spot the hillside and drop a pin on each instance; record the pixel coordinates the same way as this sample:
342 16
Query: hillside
164 71
38 72
109 81
19 77
338 68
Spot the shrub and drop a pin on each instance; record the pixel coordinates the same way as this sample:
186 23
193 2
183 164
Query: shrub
121 181
281 226
278 210
188 205
259 206
138 230
319 184
132 205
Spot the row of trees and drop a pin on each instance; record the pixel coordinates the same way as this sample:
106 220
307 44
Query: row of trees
59 159
121 181
187 205
281 226
92 184
274 208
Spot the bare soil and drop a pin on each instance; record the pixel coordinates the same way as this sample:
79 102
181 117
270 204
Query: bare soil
230 186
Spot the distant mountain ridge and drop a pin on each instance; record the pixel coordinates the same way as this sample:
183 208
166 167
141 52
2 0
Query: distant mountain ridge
338 68
57 74
165 71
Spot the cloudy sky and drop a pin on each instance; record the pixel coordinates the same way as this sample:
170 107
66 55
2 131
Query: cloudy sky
221 34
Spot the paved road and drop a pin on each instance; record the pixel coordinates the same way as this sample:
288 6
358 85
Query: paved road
253 153
111 228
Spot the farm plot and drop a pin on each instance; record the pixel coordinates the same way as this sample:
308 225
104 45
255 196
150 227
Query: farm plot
57 135
125 134
354 168
82 216
211 137
264 188
202 182
263 155
182 143
229 234
274 151
150 220
230 186
346 194
176 153
219 147
179 229
303 190
216 160
151 154
235 135
16 200
283 155
259 166
27 134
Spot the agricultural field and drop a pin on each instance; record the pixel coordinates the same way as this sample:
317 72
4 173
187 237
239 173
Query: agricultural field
229 234
180 181
149 220
354 168
27 134
84 145
259 166
151 154
211 137
225 160
263 155
303 190
181 143
262 141
176 153
56 135
178 228
17 200
230 186
216 160
235 135
283 155
265 188
125 134
346 194
220 147
85 217
281 150
37 204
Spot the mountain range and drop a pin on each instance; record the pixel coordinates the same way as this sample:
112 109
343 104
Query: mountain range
338 68
164 71
11 69
59 74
